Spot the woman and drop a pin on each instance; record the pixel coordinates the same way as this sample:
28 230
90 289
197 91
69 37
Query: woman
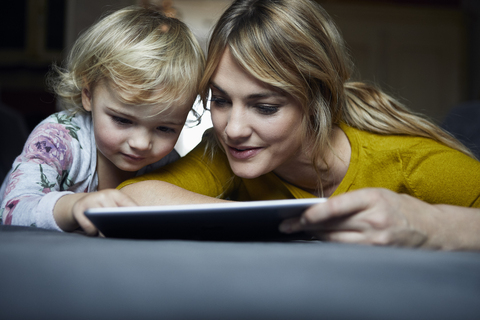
288 123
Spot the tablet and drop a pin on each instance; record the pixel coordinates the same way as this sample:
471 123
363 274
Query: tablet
250 220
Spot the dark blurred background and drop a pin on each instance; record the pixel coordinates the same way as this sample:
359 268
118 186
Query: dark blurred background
425 51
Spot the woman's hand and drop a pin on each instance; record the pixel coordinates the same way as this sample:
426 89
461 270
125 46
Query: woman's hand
69 210
367 216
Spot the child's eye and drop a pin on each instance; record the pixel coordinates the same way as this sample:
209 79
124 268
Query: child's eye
166 129
267 109
218 102
121 120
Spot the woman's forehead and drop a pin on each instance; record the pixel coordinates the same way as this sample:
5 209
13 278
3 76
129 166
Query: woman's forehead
230 76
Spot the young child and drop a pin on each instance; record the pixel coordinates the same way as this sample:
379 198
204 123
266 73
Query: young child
129 82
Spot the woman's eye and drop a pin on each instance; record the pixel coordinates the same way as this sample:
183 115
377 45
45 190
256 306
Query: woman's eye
218 102
263 109
166 129
121 120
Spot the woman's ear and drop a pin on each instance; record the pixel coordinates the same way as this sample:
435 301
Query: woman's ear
87 99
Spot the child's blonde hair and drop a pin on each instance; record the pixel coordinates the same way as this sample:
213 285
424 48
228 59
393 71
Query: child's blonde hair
147 57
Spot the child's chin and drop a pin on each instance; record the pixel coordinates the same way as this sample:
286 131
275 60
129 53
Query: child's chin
129 168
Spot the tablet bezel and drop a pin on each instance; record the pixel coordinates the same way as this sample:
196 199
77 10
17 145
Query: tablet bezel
248 220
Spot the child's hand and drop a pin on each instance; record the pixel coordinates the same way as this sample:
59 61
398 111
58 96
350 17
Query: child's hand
69 210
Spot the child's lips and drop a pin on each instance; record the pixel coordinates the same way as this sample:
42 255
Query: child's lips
133 157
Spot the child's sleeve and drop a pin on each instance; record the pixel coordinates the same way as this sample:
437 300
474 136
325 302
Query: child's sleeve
39 177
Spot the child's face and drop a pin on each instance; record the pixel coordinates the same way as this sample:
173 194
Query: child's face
131 137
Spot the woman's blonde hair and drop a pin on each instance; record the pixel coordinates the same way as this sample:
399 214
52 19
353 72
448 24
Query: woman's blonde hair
148 58
296 47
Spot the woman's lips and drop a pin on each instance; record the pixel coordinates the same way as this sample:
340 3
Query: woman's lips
244 152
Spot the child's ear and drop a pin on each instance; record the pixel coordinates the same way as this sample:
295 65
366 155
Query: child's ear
87 99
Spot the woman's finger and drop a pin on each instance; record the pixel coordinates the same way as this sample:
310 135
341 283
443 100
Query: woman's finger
340 236
344 205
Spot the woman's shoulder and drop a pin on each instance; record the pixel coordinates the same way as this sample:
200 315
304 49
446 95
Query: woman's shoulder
391 142
405 153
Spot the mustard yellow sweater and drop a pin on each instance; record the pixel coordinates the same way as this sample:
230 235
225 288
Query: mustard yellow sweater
416 166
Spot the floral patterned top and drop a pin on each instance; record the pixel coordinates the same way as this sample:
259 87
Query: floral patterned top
59 158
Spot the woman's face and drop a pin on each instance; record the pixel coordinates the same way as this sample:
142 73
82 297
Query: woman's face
259 126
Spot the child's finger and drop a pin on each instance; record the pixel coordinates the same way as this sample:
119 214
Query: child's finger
87 225
124 200
114 198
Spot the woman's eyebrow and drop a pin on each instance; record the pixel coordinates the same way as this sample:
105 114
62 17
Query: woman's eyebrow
216 87
260 95
264 95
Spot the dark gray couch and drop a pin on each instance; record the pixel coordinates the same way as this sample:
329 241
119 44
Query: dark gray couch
52 275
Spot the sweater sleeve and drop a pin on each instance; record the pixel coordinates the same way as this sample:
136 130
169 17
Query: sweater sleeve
39 176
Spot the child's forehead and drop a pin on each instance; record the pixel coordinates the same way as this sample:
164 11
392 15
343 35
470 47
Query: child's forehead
127 104
134 97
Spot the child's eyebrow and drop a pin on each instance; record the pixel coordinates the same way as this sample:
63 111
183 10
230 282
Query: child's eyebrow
121 113
131 116
178 123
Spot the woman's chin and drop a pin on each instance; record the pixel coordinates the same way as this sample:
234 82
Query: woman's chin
247 174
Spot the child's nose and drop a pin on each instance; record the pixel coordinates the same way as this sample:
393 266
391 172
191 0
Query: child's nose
140 140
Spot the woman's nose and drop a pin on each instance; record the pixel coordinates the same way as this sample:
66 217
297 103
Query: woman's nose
237 126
